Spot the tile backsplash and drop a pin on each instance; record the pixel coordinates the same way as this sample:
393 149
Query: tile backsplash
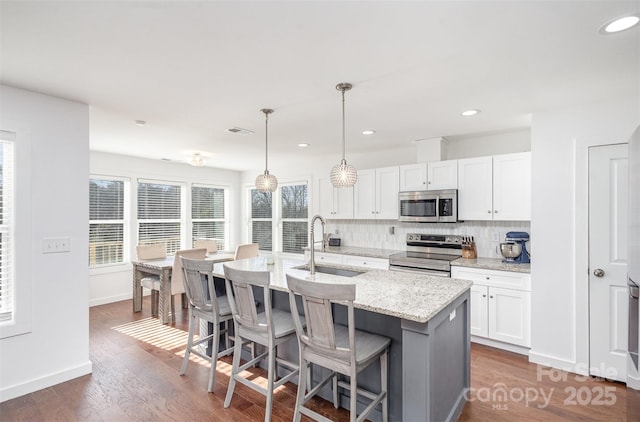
390 234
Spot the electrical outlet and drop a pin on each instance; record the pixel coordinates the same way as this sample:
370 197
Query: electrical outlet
56 244
495 236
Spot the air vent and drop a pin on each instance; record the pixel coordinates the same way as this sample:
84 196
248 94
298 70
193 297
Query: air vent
240 131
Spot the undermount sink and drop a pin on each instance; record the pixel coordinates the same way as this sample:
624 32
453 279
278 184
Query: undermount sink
333 271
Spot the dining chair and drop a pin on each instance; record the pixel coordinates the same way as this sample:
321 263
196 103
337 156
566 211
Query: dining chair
152 282
177 276
341 349
246 250
209 244
268 328
205 305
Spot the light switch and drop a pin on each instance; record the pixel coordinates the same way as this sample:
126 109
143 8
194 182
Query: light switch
56 244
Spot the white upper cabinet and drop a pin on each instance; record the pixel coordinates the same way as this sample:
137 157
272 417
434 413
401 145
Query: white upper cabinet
495 188
333 202
442 175
376 194
429 176
413 177
512 187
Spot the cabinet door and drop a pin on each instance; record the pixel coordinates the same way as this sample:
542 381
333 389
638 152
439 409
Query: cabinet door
364 195
364 262
442 175
509 319
326 198
343 203
387 187
479 315
413 177
512 187
475 197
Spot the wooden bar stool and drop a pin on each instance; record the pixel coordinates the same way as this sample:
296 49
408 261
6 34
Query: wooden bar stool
269 329
341 349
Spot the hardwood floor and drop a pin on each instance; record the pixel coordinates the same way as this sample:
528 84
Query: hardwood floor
135 378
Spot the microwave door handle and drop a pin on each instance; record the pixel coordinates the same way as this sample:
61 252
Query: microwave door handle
437 207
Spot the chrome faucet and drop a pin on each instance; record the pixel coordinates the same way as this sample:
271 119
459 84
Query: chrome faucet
312 263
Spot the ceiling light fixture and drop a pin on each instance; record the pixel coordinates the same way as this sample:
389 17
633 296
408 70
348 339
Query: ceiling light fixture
303 145
266 182
468 113
368 132
343 175
619 24
197 160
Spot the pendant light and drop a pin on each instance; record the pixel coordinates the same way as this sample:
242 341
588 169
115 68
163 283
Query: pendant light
266 182
343 175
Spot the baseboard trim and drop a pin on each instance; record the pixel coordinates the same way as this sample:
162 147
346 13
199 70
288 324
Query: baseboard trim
500 345
112 299
633 382
554 362
18 390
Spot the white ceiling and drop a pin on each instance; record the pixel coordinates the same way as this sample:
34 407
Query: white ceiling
193 69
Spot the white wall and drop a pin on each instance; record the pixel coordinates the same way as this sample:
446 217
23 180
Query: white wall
113 283
559 297
57 347
504 142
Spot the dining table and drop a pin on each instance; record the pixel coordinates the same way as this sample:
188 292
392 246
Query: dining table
163 268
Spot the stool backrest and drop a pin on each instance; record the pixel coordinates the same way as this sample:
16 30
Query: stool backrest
209 244
246 250
152 251
317 298
195 272
177 275
240 285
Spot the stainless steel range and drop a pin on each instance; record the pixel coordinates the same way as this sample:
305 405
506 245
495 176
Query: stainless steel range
428 254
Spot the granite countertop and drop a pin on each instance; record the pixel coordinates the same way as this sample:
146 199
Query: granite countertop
409 296
492 264
358 251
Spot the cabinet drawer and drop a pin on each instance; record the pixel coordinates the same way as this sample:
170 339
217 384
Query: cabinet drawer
365 262
329 258
493 278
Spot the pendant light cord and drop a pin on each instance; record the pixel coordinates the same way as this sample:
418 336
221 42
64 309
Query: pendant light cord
344 147
266 141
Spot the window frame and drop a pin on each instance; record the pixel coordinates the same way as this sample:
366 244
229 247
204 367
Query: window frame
21 314
281 219
224 220
126 220
183 210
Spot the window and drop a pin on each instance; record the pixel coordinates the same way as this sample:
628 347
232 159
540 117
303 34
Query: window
262 219
7 140
160 214
208 214
289 207
295 213
106 220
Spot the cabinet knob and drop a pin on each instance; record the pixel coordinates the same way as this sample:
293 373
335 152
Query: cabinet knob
496 211
488 278
490 297
489 211
484 295
373 212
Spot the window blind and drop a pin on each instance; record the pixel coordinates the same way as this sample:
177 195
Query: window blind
7 279
208 214
262 219
160 214
295 213
106 221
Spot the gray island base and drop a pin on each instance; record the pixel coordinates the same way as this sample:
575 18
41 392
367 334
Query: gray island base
427 320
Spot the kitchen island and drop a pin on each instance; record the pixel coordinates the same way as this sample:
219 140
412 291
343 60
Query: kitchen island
427 319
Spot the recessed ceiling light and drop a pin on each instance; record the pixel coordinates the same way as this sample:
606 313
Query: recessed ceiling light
468 113
368 132
303 145
140 122
619 24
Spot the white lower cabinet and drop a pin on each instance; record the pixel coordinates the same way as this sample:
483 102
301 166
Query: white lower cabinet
500 304
350 260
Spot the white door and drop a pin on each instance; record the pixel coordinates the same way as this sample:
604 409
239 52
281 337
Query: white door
608 261
364 196
442 175
413 177
343 203
512 187
325 198
479 316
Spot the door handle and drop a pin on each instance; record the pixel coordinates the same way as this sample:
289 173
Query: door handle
598 272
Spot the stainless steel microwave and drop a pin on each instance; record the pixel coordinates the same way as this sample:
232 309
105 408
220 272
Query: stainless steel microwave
425 206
